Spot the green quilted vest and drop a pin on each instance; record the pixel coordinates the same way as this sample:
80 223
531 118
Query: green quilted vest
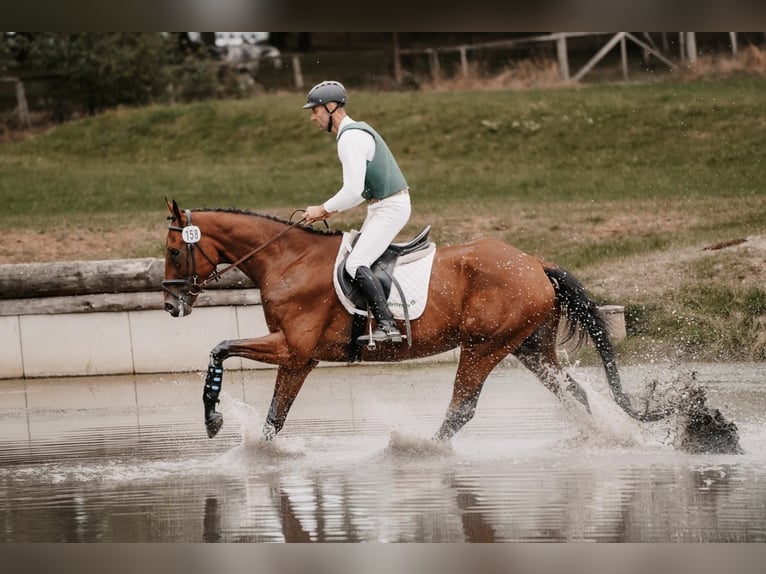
383 175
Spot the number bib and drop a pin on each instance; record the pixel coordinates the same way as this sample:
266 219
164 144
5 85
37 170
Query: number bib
191 234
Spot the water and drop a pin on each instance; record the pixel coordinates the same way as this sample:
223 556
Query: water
126 459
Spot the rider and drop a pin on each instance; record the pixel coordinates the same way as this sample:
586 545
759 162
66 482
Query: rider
370 173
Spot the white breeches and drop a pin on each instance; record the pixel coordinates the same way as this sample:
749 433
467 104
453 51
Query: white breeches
385 219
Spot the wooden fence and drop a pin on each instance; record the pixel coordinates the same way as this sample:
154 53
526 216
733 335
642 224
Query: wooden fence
687 43
687 51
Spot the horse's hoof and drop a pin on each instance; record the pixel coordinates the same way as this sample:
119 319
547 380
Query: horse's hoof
213 424
269 432
579 395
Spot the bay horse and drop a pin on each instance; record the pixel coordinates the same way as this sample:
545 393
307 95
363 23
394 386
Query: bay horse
485 297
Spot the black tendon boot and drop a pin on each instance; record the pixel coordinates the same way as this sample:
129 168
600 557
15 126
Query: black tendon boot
376 300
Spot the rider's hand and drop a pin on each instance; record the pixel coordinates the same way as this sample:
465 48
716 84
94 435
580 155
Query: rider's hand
316 213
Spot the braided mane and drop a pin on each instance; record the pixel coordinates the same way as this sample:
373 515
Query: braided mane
270 217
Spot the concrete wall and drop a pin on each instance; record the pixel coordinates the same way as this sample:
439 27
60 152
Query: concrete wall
122 342
125 342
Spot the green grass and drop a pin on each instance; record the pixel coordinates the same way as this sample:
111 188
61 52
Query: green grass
591 144
580 176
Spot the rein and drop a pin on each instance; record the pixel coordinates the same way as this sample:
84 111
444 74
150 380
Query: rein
196 288
216 275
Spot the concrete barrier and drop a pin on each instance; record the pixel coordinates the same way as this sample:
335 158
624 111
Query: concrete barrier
614 315
87 331
127 342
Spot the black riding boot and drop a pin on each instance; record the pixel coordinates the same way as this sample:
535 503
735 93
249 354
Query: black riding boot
376 300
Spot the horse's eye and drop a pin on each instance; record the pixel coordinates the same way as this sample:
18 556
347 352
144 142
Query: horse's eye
174 253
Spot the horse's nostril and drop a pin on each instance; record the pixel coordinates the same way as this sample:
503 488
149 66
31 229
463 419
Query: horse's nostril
169 307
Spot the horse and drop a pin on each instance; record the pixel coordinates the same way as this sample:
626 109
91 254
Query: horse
485 297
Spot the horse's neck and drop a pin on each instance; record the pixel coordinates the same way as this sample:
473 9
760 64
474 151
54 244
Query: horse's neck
240 234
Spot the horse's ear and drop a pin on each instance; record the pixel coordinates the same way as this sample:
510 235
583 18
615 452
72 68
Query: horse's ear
174 210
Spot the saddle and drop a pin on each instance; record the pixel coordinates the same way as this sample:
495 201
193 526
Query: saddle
382 268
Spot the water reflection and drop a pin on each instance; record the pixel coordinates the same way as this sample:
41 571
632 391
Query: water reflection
674 507
476 527
354 466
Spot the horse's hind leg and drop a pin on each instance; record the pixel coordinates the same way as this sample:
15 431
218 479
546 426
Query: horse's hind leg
538 354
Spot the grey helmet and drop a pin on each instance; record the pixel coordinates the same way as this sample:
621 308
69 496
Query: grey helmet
324 93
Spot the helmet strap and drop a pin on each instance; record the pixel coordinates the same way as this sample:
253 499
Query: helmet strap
329 119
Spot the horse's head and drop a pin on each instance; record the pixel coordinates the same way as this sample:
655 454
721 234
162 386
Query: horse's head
183 266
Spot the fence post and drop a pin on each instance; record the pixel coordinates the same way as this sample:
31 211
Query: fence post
682 46
691 46
397 59
21 98
297 73
434 64
733 37
464 61
561 49
624 57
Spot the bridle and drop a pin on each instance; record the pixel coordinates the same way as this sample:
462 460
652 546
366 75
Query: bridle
191 281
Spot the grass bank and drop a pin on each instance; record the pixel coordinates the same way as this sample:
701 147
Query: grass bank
622 184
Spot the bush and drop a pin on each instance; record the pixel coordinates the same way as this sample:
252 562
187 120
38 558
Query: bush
90 72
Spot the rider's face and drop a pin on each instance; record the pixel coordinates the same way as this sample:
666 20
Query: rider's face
320 116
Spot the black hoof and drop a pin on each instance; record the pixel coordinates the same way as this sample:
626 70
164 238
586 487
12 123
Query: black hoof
213 424
579 395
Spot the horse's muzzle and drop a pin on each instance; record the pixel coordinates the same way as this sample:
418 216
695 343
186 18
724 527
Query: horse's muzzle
176 303
182 309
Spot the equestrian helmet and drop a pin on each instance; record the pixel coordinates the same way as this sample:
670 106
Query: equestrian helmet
324 93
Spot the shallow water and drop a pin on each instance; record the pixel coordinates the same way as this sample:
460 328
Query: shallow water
126 459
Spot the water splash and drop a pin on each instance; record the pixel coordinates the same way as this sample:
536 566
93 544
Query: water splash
246 417
607 426
692 426
254 448
409 447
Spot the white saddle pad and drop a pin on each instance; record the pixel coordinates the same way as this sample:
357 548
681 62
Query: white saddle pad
413 273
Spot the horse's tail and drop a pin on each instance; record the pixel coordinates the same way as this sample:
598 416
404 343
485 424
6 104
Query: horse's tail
583 317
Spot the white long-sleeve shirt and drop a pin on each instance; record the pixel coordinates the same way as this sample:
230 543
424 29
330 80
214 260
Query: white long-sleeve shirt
355 149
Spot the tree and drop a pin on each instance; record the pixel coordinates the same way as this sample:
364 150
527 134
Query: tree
6 58
93 71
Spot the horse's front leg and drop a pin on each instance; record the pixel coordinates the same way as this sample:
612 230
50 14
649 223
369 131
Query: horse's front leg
271 348
289 382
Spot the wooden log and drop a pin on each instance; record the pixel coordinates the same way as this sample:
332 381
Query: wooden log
113 302
19 281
